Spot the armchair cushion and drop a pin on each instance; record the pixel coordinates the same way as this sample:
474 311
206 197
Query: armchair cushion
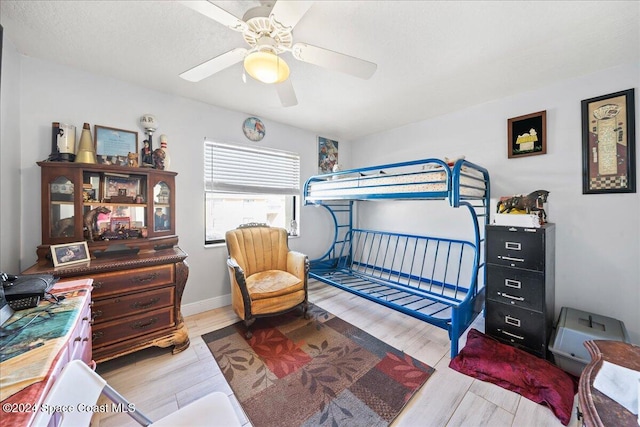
272 283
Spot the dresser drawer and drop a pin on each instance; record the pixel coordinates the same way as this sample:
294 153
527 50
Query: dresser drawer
516 326
107 284
514 286
117 330
516 247
116 307
80 339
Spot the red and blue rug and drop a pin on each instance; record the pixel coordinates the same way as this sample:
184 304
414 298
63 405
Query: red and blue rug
313 372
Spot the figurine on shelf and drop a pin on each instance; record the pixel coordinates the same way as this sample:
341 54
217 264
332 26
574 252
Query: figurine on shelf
132 160
158 158
146 156
90 220
531 202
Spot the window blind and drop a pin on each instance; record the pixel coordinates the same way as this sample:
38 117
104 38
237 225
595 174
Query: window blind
245 169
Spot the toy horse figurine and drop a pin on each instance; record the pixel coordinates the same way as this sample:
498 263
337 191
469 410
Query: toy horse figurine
531 202
90 219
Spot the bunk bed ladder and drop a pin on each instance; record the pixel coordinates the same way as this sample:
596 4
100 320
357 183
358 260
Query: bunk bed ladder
341 212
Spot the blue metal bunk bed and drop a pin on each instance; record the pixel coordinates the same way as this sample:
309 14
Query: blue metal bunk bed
433 279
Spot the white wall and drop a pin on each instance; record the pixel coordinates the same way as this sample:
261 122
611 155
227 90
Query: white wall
597 247
10 194
52 92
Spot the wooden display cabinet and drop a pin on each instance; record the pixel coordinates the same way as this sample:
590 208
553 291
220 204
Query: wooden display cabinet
127 217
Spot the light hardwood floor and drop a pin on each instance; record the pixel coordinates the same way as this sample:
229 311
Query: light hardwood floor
159 382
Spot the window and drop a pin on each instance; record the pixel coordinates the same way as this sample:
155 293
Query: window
249 184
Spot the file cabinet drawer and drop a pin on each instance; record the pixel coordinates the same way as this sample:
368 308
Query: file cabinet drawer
521 288
517 326
516 247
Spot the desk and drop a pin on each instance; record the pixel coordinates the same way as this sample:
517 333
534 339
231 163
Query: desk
597 409
32 356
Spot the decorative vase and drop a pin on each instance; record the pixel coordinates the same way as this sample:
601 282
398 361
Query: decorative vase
86 150
63 142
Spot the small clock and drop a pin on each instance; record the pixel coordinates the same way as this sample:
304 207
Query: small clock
253 129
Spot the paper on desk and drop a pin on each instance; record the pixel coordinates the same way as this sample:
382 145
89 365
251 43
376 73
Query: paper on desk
620 384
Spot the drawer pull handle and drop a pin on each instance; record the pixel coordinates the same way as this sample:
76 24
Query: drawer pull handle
508 258
515 284
77 339
513 246
148 304
147 278
513 335
97 285
85 339
512 321
96 335
511 297
139 325
96 313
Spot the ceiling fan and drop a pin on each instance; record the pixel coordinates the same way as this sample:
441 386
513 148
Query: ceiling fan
267 29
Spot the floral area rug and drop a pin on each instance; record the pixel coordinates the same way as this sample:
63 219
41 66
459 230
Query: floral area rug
316 371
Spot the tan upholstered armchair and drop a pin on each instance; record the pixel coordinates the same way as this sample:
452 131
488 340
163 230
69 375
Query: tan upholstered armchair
266 277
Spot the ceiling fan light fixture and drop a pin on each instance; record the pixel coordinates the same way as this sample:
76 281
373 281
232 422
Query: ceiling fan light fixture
266 67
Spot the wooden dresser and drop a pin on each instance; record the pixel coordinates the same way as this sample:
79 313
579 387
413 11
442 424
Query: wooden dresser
520 286
135 301
125 218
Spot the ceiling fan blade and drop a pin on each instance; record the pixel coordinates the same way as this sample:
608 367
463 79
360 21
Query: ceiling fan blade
214 65
216 13
333 60
288 13
286 93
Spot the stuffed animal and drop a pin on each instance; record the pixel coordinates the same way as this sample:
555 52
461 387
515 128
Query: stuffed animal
132 160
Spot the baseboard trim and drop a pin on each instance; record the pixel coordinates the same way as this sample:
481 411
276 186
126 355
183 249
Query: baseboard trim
205 305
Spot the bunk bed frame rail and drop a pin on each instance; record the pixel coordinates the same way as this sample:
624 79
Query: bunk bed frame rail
433 279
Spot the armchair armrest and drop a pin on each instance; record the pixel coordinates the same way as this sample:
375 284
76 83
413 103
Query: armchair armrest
238 279
297 264
232 263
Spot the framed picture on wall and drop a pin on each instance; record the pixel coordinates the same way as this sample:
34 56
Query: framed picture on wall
608 144
327 155
527 135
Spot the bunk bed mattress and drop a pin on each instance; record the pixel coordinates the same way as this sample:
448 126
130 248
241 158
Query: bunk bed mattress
472 184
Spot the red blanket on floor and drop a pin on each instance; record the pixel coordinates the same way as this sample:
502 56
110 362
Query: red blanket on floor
508 367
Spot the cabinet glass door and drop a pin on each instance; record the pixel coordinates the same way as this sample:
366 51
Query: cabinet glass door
62 208
161 207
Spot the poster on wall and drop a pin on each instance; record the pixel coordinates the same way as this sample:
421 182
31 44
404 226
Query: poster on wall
608 144
327 155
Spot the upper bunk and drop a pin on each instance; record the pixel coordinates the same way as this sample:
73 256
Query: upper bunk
427 179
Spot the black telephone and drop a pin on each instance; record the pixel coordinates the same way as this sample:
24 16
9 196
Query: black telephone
25 291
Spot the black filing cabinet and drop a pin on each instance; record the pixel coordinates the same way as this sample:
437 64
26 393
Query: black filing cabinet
520 286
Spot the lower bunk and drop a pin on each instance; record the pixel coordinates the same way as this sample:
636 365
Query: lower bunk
432 279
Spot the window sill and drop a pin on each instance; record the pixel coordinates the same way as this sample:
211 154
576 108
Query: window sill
223 244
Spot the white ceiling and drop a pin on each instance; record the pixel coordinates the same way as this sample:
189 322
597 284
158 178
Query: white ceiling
433 57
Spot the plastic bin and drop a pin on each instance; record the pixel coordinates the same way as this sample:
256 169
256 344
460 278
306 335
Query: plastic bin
574 327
